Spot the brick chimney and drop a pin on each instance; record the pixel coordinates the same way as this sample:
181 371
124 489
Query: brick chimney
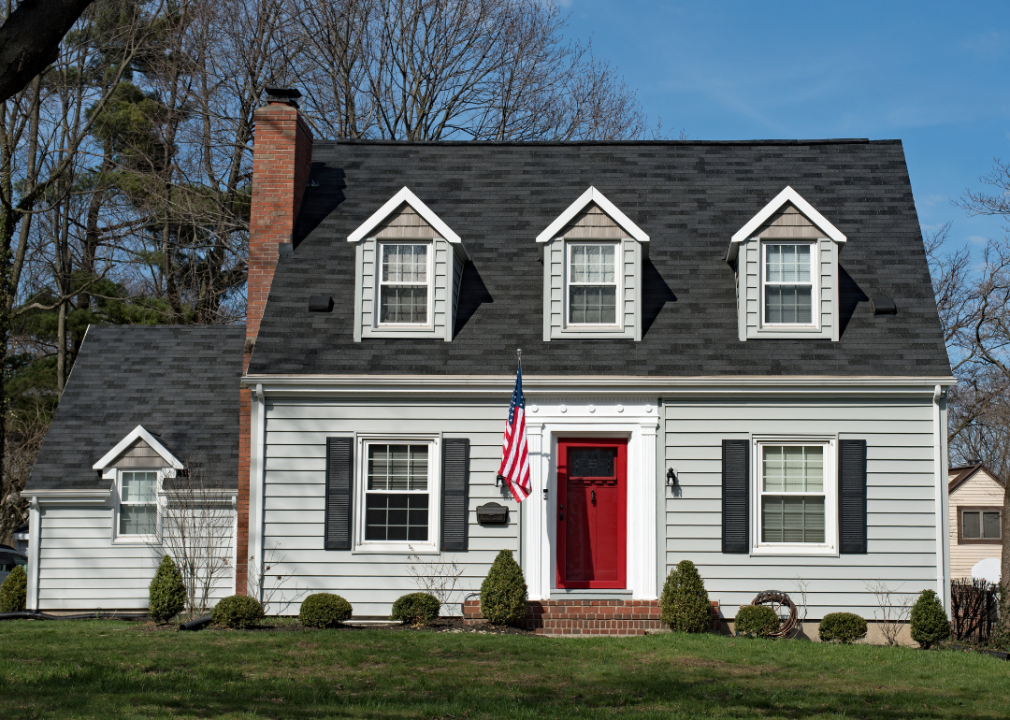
282 159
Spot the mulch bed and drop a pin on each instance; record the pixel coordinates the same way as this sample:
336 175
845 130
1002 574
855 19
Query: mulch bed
441 625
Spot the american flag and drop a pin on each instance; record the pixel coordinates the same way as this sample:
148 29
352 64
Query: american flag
515 463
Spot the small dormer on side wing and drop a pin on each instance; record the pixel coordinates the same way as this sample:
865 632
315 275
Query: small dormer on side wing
408 267
593 256
786 264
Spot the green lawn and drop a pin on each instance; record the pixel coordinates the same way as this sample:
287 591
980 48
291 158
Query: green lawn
106 669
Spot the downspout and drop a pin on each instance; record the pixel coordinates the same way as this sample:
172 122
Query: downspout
939 485
259 474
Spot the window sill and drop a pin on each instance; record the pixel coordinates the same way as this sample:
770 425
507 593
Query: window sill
577 329
794 551
135 540
789 329
397 548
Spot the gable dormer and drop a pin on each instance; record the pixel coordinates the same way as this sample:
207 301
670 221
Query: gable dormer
786 263
408 266
592 255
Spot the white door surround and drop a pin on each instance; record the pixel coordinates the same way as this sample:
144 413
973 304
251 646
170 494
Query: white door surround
548 419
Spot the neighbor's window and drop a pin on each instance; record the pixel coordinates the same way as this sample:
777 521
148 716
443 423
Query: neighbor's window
792 494
592 283
788 284
404 284
396 493
981 525
138 502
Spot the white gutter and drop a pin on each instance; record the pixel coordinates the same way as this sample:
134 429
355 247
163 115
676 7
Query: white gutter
940 485
596 384
34 535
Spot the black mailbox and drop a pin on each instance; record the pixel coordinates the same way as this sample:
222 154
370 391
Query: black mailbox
492 514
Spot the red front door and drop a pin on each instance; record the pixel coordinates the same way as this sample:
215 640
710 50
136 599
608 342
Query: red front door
592 477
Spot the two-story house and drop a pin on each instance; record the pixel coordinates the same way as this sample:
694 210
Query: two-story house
731 354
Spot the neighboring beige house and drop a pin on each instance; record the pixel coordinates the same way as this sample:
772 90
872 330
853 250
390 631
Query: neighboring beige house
976 506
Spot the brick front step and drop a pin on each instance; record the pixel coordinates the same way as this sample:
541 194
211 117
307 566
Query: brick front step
585 617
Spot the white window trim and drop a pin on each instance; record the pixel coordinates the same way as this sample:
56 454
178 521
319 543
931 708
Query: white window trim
830 545
377 314
122 539
410 547
815 285
616 326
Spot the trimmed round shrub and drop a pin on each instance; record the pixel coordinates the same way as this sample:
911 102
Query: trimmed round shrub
756 621
166 596
324 610
929 620
416 608
684 602
237 612
843 627
14 591
503 592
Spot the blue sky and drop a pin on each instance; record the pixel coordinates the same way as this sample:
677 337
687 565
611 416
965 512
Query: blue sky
932 74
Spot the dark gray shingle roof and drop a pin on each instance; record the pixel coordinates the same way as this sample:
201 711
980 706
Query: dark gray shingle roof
690 197
180 382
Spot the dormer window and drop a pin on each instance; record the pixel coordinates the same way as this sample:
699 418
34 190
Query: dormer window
592 283
593 256
786 264
408 266
788 284
404 284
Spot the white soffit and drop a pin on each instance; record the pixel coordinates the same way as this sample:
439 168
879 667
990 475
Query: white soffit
141 433
392 205
783 198
590 196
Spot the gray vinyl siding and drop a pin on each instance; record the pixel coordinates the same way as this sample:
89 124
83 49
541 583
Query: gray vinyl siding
554 293
901 516
80 568
293 503
750 272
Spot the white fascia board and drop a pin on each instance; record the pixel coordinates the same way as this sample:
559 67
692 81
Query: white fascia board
308 385
137 432
592 195
73 497
786 196
405 196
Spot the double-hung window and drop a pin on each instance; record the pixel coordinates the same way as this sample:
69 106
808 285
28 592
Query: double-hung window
980 525
138 503
398 489
404 283
592 283
788 284
795 508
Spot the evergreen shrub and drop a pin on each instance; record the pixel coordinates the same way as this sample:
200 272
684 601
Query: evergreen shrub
14 591
503 592
237 612
416 608
929 620
842 627
756 621
684 602
166 595
324 610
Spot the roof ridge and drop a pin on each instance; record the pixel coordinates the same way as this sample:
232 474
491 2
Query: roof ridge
606 143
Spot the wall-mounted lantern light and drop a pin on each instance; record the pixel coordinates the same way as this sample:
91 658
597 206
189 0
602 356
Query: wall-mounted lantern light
671 478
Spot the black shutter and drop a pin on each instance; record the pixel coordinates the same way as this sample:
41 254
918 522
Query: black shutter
339 486
852 496
455 491
735 497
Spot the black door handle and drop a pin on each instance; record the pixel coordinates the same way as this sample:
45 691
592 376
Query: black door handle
593 493
561 510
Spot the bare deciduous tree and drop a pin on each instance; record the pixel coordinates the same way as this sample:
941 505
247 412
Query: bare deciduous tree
197 528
